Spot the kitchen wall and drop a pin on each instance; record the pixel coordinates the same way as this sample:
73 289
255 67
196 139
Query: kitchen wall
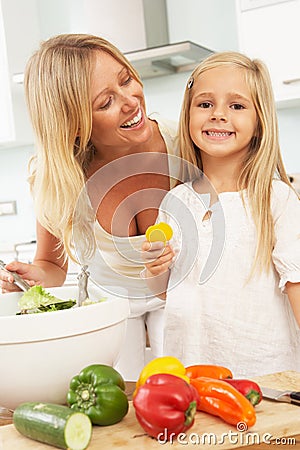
14 186
211 23
289 123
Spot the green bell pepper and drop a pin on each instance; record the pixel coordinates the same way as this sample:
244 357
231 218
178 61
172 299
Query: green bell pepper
98 391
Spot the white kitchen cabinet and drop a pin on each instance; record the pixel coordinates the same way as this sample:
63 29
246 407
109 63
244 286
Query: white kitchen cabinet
122 23
210 23
272 33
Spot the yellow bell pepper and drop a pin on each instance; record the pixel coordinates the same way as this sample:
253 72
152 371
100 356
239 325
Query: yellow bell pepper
163 364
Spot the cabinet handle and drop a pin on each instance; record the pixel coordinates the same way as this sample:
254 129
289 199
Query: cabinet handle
293 80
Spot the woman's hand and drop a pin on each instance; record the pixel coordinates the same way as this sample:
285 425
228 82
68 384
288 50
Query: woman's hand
157 257
29 272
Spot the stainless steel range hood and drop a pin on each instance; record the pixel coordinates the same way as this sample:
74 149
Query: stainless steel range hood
162 57
167 59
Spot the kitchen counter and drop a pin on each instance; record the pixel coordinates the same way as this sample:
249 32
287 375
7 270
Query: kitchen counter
277 424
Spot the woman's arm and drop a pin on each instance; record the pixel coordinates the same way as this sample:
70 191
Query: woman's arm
293 292
49 267
158 259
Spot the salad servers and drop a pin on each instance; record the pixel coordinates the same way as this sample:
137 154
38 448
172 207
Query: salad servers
82 285
18 281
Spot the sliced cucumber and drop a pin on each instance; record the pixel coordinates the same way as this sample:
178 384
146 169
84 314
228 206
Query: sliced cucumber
53 424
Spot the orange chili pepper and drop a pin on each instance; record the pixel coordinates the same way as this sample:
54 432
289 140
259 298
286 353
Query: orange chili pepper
223 400
206 370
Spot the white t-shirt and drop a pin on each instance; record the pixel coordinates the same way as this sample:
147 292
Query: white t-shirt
117 261
214 313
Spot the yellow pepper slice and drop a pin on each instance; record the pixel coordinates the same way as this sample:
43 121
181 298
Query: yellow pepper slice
160 232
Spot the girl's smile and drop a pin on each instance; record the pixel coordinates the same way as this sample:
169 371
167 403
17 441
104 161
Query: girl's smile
216 134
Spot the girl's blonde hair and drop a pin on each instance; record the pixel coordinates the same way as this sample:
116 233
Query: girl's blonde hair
263 161
58 94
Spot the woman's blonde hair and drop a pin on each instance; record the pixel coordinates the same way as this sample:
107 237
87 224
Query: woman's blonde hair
58 94
263 161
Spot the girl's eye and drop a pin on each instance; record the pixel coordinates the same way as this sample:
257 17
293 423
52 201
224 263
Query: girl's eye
205 105
237 106
106 104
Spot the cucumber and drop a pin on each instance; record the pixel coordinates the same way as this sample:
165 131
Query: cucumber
53 424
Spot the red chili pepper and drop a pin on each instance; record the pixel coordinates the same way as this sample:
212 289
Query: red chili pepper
208 370
165 404
248 388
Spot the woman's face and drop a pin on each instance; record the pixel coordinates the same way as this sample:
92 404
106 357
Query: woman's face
223 118
118 107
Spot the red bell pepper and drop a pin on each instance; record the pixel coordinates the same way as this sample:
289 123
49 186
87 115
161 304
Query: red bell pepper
165 404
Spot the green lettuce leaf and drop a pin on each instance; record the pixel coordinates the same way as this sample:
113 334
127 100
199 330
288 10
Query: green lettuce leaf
36 297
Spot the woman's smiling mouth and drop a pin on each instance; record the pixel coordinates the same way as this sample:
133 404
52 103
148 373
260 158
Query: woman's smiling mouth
133 122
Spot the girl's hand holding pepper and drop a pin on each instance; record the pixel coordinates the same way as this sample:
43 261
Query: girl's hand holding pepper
157 257
157 253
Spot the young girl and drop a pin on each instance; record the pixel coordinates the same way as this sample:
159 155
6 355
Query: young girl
233 289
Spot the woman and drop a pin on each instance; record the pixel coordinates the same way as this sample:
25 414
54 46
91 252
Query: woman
88 111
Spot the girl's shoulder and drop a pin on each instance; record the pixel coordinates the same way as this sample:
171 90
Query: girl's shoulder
182 191
282 195
281 190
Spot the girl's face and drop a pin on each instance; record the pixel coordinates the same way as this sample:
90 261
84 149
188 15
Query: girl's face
222 115
118 106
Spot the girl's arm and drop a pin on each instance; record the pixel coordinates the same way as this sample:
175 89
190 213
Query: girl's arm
293 292
158 259
286 252
49 267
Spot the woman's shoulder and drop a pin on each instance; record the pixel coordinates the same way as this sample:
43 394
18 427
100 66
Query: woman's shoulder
167 127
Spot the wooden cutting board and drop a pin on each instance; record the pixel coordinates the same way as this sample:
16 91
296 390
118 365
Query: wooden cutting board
274 421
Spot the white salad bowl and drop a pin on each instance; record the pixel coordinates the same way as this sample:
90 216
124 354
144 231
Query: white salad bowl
40 353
